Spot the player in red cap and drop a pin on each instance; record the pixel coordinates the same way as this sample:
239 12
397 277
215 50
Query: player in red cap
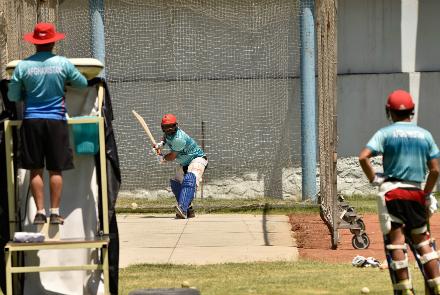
192 163
409 158
39 81
169 119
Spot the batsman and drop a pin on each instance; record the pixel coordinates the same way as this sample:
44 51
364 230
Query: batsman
192 164
409 158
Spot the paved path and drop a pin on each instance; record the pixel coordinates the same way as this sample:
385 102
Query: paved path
205 239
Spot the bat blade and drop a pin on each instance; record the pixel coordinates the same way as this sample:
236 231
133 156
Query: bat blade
145 126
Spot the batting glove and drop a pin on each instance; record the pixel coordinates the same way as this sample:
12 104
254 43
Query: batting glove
156 151
431 204
157 148
379 178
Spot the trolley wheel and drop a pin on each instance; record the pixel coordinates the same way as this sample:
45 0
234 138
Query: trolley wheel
360 241
359 223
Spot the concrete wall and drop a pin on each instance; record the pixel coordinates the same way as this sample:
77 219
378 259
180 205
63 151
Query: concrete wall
429 103
428 38
369 36
384 45
388 36
361 107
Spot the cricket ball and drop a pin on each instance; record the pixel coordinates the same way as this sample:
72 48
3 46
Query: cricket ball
185 284
365 290
134 205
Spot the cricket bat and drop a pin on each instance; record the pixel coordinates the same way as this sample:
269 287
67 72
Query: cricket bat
145 126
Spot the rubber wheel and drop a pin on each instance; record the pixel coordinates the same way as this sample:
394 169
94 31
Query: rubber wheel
173 291
359 223
360 242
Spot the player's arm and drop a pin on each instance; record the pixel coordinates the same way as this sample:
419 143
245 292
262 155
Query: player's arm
171 156
373 148
364 161
178 146
433 174
15 86
74 77
433 164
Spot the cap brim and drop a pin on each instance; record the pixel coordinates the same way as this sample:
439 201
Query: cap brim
30 38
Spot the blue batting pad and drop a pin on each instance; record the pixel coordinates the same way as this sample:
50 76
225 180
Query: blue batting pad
188 190
176 187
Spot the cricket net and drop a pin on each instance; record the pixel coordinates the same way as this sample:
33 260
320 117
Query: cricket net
228 69
326 32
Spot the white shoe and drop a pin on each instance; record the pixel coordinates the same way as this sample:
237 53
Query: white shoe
179 212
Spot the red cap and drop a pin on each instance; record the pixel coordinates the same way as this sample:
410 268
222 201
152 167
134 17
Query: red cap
400 100
169 119
44 33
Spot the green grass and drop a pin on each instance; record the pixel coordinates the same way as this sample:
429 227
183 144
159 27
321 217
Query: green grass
268 278
209 205
362 204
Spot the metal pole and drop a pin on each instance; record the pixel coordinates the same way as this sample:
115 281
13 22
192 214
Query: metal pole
203 148
308 102
96 8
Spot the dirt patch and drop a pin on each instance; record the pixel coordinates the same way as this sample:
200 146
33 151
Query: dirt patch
314 241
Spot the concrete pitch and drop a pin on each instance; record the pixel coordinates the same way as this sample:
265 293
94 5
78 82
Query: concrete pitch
206 239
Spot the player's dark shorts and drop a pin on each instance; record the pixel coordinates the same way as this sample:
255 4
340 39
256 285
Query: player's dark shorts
407 204
45 140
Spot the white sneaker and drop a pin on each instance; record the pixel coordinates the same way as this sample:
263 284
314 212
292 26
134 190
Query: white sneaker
179 212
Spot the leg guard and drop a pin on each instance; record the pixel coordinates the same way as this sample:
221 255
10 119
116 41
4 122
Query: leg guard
187 192
432 286
403 287
384 216
175 188
399 286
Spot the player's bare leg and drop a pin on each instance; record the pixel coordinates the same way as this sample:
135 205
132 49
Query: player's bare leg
56 186
37 189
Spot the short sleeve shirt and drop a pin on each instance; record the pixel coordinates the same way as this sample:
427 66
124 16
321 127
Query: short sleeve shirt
186 148
39 80
405 148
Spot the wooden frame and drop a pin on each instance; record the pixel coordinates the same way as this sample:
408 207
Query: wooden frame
97 243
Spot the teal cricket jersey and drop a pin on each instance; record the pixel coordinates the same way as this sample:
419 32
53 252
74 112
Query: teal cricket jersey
39 80
186 148
405 148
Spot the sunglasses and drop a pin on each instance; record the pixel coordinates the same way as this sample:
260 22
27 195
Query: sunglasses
168 126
